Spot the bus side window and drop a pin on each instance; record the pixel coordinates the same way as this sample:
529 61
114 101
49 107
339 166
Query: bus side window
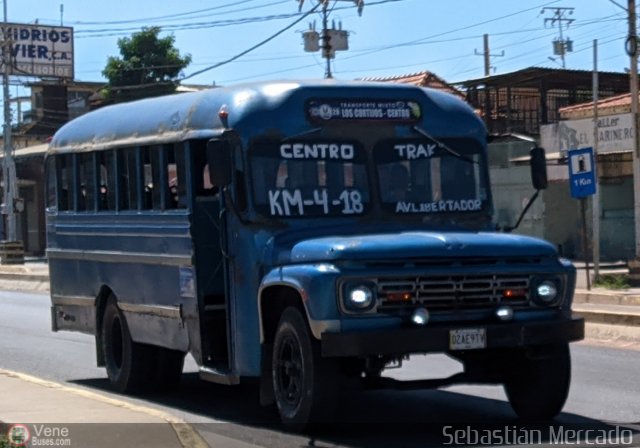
128 197
202 179
52 182
176 177
65 169
86 198
150 158
239 179
107 192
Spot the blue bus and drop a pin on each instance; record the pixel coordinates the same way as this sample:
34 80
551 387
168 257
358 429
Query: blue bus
309 234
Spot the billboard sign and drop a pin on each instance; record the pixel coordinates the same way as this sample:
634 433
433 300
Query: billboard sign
37 50
615 134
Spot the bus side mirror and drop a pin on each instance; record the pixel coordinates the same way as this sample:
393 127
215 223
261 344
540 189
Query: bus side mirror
538 168
219 160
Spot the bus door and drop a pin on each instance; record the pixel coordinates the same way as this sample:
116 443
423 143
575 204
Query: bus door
208 239
215 220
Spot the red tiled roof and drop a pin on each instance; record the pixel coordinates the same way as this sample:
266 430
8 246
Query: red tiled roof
612 102
422 79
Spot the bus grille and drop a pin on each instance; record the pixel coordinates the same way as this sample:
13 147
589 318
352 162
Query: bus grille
452 291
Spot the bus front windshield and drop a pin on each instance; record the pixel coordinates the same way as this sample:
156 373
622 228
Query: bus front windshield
421 177
309 178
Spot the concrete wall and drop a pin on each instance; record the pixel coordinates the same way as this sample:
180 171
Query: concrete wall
617 239
555 216
562 221
512 188
511 192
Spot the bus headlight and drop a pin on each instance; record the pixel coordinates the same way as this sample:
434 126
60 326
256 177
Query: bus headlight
546 293
358 297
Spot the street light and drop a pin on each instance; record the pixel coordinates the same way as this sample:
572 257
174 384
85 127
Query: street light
554 60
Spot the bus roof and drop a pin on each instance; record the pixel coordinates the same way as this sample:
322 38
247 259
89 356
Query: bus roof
185 116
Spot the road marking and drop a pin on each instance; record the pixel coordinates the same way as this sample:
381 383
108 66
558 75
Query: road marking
186 434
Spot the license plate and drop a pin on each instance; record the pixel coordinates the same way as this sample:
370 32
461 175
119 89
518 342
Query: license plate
467 339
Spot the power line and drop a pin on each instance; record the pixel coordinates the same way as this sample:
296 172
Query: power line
409 44
105 32
259 44
179 15
169 17
423 41
110 32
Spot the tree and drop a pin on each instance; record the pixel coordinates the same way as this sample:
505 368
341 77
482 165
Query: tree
148 66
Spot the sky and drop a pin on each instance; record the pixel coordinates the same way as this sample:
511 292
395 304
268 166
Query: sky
390 38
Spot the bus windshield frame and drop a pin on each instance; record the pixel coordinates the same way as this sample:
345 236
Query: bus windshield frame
419 176
309 179
345 178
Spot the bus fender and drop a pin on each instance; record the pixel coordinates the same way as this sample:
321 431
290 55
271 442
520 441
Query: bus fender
298 286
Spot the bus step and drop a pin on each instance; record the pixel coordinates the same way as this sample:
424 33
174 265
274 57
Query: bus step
219 376
218 307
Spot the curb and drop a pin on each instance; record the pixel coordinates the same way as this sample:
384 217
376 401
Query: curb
24 282
605 297
611 317
24 277
24 286
185 433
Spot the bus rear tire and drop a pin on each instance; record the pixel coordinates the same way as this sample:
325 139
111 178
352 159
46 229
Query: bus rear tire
305 385
129 364
537 387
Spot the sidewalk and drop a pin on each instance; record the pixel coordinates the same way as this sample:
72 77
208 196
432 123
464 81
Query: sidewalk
30 276
71 416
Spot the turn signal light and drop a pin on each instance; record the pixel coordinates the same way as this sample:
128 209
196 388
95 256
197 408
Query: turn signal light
399 296
514 294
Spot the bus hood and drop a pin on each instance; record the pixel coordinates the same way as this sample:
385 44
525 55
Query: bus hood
416 245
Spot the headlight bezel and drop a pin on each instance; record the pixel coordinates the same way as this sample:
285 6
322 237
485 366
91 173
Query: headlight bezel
348 288
543 287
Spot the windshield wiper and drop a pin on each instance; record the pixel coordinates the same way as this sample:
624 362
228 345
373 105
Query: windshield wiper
302 134
443 146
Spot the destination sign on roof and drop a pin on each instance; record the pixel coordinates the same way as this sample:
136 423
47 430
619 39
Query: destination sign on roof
37 50
324 110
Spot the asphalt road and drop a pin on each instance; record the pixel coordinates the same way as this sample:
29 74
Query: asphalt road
605 391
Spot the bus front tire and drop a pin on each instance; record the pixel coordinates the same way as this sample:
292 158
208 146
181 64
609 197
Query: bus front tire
129 364
537 386
305 385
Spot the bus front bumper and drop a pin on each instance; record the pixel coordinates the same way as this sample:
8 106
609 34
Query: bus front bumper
437 338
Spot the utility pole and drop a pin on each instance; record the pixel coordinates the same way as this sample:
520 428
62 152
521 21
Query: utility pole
595 198
333 39
487 55
326 38
561 46
631 48
8 164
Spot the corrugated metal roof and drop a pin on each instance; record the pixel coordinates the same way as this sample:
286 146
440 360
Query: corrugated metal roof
555 78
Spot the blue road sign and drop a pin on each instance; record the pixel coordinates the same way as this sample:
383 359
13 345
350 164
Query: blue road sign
582 172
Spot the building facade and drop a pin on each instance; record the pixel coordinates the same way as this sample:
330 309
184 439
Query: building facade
612 138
